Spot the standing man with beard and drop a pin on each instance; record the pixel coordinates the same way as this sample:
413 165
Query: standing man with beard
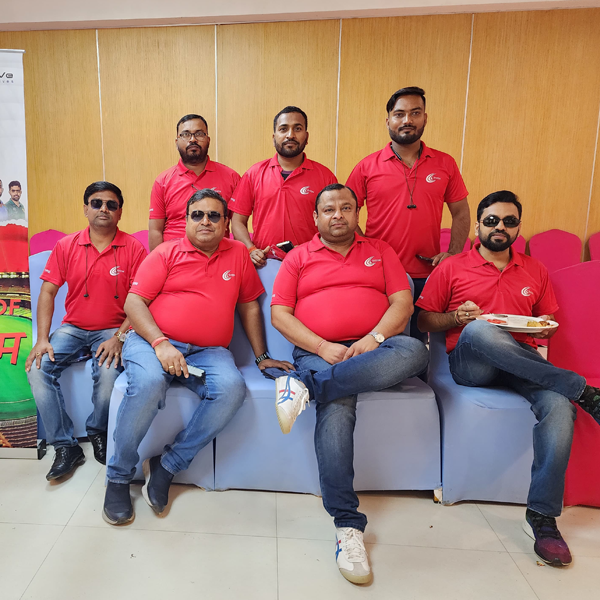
405 186
175 186
493 278
279 192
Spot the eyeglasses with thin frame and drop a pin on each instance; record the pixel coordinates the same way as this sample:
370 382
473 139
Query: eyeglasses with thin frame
197 135
493 220
198 216
97 204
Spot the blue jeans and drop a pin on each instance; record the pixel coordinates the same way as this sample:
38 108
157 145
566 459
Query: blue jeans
222 390
68 343
487 355
335 389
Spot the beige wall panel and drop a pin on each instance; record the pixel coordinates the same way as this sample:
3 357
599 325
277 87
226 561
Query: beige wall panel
264 67
380 56
533 110
62 113
150 78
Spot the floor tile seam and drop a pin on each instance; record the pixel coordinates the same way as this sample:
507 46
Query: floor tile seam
491 527
32 523
524 576
83 496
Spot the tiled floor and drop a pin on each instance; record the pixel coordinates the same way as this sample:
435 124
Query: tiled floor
245 545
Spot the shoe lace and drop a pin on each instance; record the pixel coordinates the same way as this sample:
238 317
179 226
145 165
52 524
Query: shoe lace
546 526
353 545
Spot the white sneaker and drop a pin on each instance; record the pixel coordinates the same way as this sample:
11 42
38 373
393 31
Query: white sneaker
291 400
351 555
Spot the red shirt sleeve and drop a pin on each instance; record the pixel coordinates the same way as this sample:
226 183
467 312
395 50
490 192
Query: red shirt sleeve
393 271
55 270
436 294
358 184
546 303
151 276
251 287
456 189
138 255
158 209
285 288
242 200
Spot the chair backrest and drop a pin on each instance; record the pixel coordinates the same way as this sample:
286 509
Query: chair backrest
556 248
37 263
575 344
44 240
520 244
445 241
594 244
142 236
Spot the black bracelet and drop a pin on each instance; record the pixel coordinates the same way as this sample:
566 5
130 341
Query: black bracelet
262 357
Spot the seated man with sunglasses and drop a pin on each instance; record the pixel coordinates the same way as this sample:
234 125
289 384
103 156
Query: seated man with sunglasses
493 278
98 264
182 305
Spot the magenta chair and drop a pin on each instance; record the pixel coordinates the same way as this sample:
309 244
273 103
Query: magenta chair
44 240
445 241
520 244
556 248
595 246
142 236
575 347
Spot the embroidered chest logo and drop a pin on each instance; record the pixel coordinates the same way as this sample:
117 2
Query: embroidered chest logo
228 275
116 271
216 190
306 190
370 262
432 177
526 291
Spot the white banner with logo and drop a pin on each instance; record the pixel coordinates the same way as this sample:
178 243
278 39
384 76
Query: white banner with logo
18 423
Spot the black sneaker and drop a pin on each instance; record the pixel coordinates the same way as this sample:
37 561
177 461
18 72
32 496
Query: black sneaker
66 459
158 481
549 544
590 401
98 441
118 509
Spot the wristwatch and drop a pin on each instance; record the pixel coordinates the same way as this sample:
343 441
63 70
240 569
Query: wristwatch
378 337
262 357
121 336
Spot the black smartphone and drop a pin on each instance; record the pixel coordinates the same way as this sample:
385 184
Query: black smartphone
285 246
424 258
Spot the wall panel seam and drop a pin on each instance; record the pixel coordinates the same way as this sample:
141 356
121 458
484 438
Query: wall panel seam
100 106
462 149
216 98
587 218
337 109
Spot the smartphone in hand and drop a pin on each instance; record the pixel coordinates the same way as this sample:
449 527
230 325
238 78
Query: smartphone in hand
425 258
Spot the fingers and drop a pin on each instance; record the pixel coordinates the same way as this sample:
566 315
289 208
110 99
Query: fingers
349 353
102 353
50 356
29 362
184 367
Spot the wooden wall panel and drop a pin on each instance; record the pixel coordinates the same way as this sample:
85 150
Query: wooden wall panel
264 67
150 78
593 223
533 110
62 113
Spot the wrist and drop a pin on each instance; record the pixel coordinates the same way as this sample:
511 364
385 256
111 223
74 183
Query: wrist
159 340
263 356
319 346
252 249
457 320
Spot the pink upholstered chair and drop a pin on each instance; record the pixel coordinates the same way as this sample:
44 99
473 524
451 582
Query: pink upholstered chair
556 248
445 241
142 236
575 347
594 243
44 240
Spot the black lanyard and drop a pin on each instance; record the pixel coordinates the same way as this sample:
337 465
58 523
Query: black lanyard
410 192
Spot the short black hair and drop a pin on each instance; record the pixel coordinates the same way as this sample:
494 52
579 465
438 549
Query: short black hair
14 184
334 187
405 91
189 118
206 193
290 109
495 197
102 186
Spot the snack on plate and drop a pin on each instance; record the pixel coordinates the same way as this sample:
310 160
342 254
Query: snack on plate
538 324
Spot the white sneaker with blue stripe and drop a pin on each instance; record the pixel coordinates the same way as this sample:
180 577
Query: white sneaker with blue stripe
351 555
291 399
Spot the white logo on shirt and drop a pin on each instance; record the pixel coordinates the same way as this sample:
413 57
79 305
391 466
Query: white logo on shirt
306 190
134 283
228 275
526 291
232 199
47 270
216 190
116 270
151 209
370 262
431 178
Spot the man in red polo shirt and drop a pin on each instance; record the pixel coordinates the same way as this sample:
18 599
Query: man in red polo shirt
492 278
175 186
344 301
98 264
279 192
181 307
405 186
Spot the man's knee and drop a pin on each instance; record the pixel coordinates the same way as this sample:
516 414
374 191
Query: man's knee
555 408
477 332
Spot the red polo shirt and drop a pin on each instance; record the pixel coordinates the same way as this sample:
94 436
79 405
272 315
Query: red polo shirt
379 180
193 296
281 209
175 186
522 288
108 273
339 297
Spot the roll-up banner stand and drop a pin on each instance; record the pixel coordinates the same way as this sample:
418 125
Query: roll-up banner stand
18 421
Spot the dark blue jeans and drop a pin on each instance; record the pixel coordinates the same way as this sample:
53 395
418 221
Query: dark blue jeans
487 355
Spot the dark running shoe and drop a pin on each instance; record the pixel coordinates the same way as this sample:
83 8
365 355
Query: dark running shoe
549 544
590 401
158 481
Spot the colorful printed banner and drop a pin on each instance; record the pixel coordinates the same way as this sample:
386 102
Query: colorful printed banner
18 422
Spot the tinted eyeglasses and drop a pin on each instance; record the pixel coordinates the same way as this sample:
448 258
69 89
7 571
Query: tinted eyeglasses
493 220
96 204
198 215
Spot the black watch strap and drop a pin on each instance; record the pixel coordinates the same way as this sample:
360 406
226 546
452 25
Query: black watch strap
262 357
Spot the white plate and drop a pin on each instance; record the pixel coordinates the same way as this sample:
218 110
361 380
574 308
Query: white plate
517 323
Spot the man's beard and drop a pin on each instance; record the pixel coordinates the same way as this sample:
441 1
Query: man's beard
405 139
496 245
289 152
193 159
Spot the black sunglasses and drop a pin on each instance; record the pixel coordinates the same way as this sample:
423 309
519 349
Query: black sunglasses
96 204
493 220
198 215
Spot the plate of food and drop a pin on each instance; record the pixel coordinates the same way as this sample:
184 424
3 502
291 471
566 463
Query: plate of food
519 323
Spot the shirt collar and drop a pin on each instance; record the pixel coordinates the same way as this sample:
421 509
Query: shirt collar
186 246
316 244
306 164
388 153
120 238
183 169
476 260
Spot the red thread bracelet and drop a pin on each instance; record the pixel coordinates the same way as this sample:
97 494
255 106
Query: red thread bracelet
159 340
319 346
